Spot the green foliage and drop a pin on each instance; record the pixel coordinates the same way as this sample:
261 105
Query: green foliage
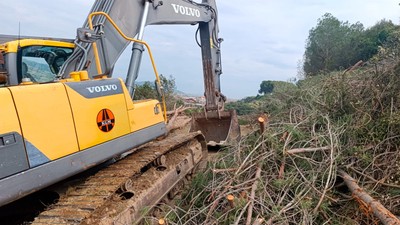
242 108
263 103
197 186
335 45
147 91
266 87
346 120
251 99
331 45
381 33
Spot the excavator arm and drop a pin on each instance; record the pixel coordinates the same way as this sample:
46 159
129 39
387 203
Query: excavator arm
98 50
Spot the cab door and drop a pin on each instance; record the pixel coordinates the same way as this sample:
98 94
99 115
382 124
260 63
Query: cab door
13 157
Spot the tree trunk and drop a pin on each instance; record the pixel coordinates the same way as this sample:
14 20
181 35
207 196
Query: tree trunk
386 217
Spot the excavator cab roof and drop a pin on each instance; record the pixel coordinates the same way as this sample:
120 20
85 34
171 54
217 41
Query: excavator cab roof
13 45
7 38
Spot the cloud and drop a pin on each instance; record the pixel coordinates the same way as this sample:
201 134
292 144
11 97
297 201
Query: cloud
43 17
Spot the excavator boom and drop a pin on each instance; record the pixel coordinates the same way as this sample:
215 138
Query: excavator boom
99 52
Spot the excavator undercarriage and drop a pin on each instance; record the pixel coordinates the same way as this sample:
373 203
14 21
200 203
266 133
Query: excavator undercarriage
125 191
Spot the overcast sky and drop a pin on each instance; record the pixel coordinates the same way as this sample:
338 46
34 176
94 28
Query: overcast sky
263 39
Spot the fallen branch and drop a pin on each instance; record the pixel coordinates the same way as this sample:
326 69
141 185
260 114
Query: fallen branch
252 196
241 214
174 125
330 174
282 168
385 216
224 170
359 63
178 110
229 183
302 150
285 208
171 123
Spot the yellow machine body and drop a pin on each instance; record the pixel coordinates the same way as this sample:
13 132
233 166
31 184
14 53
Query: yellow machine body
59 120
53 130
55 116
44 113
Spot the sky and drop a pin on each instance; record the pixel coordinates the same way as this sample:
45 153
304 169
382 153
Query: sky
263 39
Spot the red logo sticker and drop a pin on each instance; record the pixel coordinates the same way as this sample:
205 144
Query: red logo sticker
105 120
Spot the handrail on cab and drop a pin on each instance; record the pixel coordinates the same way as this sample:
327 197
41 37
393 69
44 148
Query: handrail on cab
97 58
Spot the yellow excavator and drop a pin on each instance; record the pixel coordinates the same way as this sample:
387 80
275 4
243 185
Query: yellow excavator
63 113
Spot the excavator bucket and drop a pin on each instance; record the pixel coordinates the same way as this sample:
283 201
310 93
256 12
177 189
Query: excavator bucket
219 128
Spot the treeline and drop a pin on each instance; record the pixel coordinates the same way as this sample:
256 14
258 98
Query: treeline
336 121
270 92
336 45
332 46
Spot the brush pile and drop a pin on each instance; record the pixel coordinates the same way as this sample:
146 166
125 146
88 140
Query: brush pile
329 154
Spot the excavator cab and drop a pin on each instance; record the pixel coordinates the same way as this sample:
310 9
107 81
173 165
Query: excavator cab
35 60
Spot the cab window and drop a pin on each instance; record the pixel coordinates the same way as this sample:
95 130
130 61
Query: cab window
41 63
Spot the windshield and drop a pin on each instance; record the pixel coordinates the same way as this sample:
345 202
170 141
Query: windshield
41 63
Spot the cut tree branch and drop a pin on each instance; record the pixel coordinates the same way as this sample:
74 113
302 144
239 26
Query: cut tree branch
253 195
302 150
385 216
171 123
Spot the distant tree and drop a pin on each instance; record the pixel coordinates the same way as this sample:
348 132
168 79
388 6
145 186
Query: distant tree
169 88
251 98
332 45
242 108
148 91
383 34
168 84
266 87
145 91
335 45
282 86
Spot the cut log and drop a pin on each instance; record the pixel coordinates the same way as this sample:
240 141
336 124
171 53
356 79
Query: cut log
384 215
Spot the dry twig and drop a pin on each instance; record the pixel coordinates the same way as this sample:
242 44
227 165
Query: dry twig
252 196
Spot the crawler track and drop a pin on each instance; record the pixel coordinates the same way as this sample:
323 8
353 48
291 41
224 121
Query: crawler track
123 192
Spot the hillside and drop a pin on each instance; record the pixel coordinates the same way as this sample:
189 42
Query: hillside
329 154
330 151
